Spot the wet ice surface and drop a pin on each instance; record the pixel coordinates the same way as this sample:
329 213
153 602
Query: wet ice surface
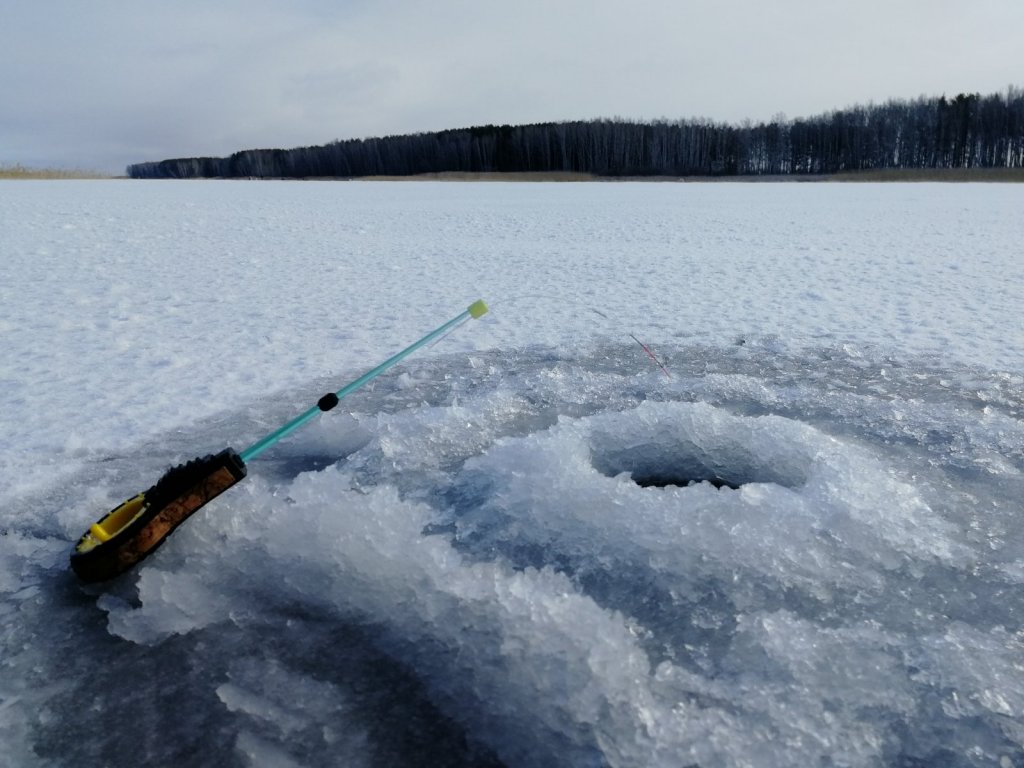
548 554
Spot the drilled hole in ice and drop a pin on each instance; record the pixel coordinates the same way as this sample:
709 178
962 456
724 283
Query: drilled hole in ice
725 451
680 465
683 463
682 481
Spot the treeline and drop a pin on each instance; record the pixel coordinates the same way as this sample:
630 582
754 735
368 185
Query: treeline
968 131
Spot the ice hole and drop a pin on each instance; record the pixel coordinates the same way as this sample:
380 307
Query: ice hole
655 465
726 451
682 481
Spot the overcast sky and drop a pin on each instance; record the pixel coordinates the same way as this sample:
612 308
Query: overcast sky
99 84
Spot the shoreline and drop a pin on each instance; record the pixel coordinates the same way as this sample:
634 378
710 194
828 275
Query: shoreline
999 175
945 175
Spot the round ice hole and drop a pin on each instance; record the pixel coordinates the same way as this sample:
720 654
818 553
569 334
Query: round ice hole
678 445
682 481
660 465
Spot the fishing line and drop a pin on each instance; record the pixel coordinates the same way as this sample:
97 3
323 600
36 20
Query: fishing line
562 300
447 333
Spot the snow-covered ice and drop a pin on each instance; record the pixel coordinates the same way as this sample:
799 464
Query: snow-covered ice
509 550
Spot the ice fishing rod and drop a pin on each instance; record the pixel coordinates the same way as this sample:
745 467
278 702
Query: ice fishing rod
134 529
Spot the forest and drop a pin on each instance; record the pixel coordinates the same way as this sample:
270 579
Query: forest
966 131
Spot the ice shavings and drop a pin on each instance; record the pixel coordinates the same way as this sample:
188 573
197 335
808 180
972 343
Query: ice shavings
509 651
806 501
173 603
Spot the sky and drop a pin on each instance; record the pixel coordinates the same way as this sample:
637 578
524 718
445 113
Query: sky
102 84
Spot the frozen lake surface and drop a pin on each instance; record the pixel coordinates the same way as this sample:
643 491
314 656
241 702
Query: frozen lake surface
526 545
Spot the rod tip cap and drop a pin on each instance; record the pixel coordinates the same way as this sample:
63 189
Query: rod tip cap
477 309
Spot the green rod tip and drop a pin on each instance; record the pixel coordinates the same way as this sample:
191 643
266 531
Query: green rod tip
477 309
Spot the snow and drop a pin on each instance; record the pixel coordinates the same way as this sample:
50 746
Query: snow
505 550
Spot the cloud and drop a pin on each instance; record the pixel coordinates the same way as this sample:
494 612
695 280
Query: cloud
111 82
